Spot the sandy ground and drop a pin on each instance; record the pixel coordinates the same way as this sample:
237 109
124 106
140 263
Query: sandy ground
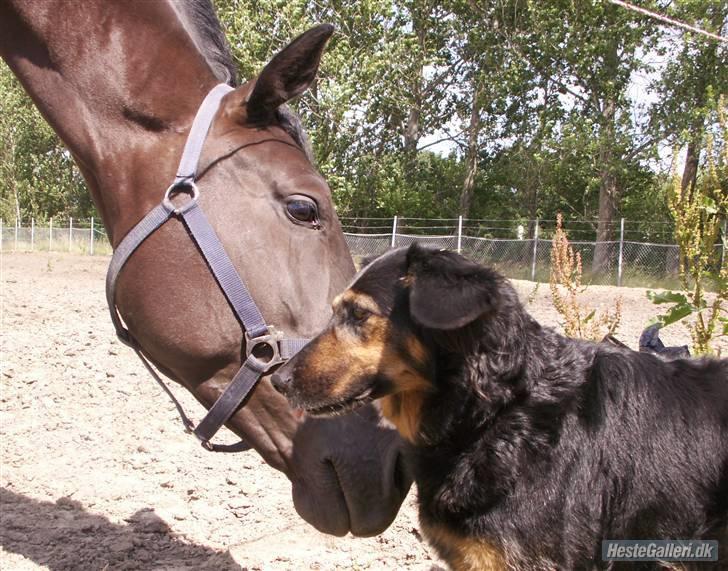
96 473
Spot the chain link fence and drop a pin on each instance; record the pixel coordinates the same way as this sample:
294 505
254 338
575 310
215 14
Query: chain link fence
69 235
640 254
519 249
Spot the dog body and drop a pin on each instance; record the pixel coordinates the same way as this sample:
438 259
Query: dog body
528 448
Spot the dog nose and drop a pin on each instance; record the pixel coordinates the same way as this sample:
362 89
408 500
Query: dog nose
281 382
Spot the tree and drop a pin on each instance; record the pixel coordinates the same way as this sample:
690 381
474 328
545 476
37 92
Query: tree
488 39
596 48
695 76
533 98
699 211
38 178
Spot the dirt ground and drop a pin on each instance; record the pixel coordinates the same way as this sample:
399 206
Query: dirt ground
96 472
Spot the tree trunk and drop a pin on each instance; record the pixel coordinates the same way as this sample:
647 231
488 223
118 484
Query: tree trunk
608 192
471 160
710 66
412 129
534 168
17 203
692 159
608 188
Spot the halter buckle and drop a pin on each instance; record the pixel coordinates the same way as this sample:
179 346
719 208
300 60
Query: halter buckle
264 350
185 186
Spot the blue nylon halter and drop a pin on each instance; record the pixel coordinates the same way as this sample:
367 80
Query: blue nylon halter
258 335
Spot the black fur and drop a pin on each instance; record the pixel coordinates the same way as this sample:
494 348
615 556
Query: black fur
542 445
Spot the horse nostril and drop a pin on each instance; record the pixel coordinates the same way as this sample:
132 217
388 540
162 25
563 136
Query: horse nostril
281 383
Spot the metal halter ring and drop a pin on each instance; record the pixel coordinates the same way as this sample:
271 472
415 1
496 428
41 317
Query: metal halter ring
187 187
264 363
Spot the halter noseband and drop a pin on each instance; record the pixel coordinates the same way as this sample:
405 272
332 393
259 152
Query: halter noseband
264 346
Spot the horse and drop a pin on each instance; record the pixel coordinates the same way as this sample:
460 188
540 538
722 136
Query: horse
120 83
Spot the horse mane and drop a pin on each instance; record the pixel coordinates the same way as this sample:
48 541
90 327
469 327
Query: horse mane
201 22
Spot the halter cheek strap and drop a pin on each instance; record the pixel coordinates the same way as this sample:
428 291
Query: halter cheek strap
264 346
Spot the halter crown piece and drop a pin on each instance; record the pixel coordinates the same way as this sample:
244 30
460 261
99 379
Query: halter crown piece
264 346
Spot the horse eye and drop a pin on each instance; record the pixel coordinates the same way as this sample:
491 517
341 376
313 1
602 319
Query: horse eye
303 210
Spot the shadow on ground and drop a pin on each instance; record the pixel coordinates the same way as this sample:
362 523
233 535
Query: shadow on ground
64 536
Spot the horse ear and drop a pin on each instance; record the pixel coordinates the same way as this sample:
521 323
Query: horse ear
289 73
447 291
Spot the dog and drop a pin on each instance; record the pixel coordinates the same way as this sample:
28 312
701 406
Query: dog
528 448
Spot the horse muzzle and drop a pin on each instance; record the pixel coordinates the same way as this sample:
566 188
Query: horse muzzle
349 474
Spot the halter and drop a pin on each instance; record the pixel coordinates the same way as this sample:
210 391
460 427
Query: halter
265 347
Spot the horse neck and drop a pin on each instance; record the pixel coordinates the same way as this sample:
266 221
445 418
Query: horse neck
119 83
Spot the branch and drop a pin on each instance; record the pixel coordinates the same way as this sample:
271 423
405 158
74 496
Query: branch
436 81
442 140
639 148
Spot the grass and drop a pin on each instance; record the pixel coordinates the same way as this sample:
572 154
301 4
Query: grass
101 248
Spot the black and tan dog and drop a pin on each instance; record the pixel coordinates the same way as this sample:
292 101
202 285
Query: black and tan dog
528 448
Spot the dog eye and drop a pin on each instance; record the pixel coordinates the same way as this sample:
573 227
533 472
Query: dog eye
303 209
359 313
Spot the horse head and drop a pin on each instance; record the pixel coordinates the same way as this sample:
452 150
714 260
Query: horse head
124 99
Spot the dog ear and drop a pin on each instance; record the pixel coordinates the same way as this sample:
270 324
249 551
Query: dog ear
447 291
367 260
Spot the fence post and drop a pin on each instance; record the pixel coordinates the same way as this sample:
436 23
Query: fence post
1 234
460 234
32 234
15 245
50 234
70 232
621 251
535 246
394 233
91 238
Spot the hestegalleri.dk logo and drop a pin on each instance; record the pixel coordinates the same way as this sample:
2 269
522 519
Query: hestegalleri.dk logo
659 550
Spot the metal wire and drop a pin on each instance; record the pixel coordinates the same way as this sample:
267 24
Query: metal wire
644 263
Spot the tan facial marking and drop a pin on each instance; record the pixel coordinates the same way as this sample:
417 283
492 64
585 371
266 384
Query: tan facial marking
344 357
359 299
464 553
416 350
403 410
336 304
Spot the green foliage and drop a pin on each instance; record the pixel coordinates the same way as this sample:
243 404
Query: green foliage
370 78
37 175
695 75
699 211
681 308
399 72
533 100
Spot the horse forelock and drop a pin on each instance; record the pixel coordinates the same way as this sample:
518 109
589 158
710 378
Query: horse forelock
291 124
